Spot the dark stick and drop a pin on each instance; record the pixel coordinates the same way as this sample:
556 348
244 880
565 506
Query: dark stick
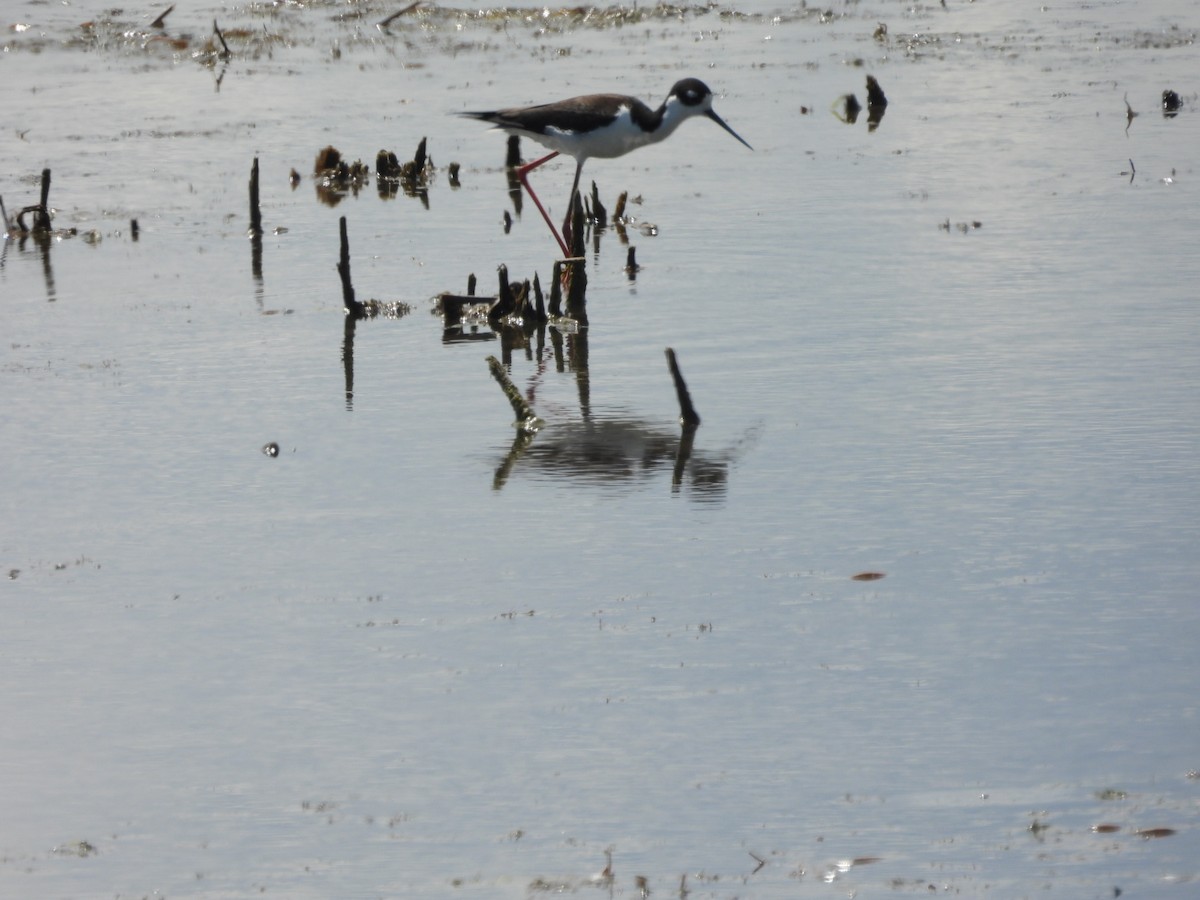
353 307
576 238
158 23
225 54
556 289
41 218
505 302
388 21
255 212
540 303
599 213
687 413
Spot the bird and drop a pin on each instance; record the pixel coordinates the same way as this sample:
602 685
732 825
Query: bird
604 126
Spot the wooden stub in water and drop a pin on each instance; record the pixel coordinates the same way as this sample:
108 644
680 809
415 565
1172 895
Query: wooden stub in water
599 213
41 212
687 412
353 307
556 289
505 303
255 211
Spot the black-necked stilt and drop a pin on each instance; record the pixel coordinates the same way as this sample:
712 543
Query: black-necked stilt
601 125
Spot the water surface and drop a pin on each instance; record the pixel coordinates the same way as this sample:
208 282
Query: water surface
395 660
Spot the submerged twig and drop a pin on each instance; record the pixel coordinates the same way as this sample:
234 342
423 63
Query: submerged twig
527 419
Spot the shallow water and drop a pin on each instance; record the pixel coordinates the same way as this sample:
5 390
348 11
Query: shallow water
399 660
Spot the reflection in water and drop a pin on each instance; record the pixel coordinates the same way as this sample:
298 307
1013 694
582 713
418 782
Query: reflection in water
42 240
876 103
847 108
617 450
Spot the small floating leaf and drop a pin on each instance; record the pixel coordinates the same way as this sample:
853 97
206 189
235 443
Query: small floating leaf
1105 828
867 576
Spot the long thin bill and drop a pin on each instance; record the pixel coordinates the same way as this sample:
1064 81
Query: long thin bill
712 115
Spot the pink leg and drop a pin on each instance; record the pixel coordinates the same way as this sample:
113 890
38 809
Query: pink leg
524 170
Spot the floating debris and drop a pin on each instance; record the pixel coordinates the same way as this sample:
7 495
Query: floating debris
76 848
868 576
335 176
412 176
1105 828
961 227
271 449
1170 104
1149 833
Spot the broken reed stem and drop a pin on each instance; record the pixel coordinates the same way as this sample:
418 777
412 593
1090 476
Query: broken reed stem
255 211
687 413
527 420
4 215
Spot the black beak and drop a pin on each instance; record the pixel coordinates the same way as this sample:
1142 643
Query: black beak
712 115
